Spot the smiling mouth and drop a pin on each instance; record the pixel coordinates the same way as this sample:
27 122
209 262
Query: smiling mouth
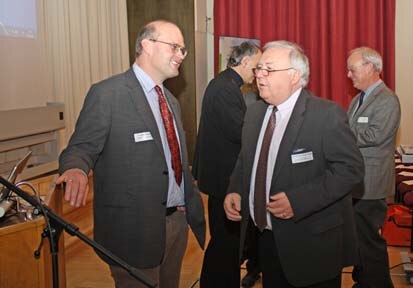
177 64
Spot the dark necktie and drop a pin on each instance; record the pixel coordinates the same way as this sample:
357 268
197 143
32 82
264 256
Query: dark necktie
168 122
260 203
361 99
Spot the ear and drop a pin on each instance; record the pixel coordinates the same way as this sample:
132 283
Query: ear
370 68
146 46
295 76
244 61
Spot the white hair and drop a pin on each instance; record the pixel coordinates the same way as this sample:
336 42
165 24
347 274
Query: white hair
370 55
298 59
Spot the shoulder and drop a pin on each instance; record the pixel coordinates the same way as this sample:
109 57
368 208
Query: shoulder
110 85
222 81
257 108
320 105
386 95
118 84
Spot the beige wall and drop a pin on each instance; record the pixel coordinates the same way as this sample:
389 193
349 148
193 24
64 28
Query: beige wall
404 67
204 49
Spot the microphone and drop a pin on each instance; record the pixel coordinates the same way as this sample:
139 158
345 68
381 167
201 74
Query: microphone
5 206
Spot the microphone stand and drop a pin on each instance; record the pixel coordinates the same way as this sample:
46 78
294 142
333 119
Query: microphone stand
53 232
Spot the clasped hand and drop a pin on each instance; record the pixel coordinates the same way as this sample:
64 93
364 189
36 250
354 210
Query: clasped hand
279 206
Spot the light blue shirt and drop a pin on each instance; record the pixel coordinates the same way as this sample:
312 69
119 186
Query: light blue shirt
371 88
175 193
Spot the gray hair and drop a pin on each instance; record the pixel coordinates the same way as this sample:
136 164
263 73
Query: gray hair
238 52
370 55
298 59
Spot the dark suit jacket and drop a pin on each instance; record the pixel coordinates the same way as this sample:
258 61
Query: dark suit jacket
219 134
130 178
375 125
320 239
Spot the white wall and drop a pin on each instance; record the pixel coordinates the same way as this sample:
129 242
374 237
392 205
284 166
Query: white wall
404 67
204 46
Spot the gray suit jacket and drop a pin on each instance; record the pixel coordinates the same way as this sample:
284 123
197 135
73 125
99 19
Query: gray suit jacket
320 239
130 178
375 126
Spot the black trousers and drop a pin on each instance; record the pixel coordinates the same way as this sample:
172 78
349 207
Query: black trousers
221 266
373 270
250 251
272 270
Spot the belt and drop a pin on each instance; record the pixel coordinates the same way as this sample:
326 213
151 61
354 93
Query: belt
171 210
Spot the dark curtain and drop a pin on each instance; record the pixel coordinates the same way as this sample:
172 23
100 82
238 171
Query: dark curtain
326 29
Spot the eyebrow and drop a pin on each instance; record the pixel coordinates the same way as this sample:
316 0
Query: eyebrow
266 63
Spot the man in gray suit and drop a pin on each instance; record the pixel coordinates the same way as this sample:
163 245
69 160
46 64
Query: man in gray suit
130 133
298 164
374 118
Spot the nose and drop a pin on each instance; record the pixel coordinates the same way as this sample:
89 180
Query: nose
348 74
180 55
257 74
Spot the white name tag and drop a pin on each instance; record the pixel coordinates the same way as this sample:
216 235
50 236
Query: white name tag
363 120
143 136
302 157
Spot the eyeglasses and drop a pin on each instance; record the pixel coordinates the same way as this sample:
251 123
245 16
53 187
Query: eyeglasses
176 47
266 72
356 67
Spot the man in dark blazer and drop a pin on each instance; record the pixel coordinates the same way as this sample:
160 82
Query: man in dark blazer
374 118
217 148
130 133
297 166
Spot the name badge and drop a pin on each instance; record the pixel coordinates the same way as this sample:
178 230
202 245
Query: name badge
302 157
363 120
143 136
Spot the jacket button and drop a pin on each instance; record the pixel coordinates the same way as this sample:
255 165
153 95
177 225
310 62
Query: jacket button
165 173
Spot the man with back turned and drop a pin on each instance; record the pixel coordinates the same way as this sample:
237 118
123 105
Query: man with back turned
218 145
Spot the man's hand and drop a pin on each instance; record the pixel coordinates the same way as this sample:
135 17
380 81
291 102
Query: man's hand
76 186
232 206
280 206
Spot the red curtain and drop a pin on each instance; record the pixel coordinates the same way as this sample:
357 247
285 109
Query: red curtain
326 29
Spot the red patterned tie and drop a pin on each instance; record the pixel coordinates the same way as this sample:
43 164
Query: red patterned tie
168 122
260 206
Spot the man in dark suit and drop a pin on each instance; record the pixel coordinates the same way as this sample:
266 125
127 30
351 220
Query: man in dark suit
218 145
374 118
297 166
130 133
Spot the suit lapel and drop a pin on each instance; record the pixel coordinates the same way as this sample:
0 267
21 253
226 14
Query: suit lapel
141 104
353 106
290 135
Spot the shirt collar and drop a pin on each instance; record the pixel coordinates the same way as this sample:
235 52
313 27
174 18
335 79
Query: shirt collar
146 81
290 102
236 77
372 87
